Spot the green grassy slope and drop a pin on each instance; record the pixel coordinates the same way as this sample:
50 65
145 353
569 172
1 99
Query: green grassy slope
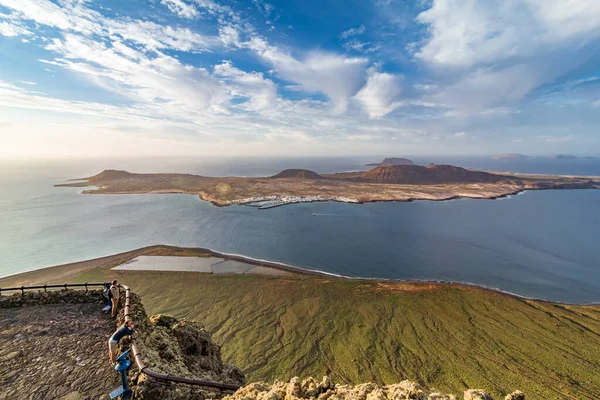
447 337
444 336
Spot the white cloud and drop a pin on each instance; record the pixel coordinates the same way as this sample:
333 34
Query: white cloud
229 35
29 83
74 17
363 47
492 53
353 32
181 8
129 72
263 7
381 94
42 11
261 91
12 29
472 32
336 76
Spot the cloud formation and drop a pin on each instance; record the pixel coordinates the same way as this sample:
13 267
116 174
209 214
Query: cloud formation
203 70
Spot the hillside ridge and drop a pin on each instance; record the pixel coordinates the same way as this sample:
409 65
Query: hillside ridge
432 174
297 173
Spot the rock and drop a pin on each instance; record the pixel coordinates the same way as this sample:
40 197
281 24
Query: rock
406 390
163 320
477 394
516 395
74 396
310 388
9 376
377 394
439 396
10 356
325 390
326 383
294 389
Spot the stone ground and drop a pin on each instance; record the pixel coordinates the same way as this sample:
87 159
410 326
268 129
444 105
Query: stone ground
63 354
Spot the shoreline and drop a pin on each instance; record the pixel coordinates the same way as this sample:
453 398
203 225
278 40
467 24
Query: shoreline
443 183
250 203
131 254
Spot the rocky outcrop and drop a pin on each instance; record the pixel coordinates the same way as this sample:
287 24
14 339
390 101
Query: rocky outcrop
517 395
325 389
176 347
477 394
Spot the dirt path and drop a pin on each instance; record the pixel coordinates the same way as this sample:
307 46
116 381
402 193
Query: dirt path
55 351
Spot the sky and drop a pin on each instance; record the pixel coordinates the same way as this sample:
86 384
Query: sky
85 78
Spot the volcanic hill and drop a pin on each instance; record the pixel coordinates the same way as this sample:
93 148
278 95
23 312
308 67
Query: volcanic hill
433 174
297 173
392 161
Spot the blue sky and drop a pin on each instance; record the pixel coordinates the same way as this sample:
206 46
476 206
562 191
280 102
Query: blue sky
298 77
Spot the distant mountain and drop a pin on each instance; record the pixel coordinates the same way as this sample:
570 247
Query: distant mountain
392 161
511 156
297 173
415 174
110 174
517 156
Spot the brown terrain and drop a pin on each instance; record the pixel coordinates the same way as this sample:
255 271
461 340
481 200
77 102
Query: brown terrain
55 351
53 345
382 183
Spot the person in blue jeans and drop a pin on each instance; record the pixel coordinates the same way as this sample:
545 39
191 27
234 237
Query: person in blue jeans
113 342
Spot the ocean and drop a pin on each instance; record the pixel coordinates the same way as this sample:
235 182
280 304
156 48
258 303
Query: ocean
540 244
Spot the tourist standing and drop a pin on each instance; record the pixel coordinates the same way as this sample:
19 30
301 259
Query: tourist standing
113 294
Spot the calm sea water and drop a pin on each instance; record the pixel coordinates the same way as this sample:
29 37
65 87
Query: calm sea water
538 244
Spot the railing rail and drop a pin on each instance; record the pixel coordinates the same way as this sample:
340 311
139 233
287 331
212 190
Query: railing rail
53 286
134 348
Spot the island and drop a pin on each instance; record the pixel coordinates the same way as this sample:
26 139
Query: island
564 157
517 156
392 161
382 183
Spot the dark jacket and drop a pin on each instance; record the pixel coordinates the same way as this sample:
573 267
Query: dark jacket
119 333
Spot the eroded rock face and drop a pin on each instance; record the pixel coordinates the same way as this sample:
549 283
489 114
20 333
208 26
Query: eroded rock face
325 390
477 394
176 347
517 395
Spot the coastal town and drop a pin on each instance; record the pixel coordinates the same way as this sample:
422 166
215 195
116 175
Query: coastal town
266 202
